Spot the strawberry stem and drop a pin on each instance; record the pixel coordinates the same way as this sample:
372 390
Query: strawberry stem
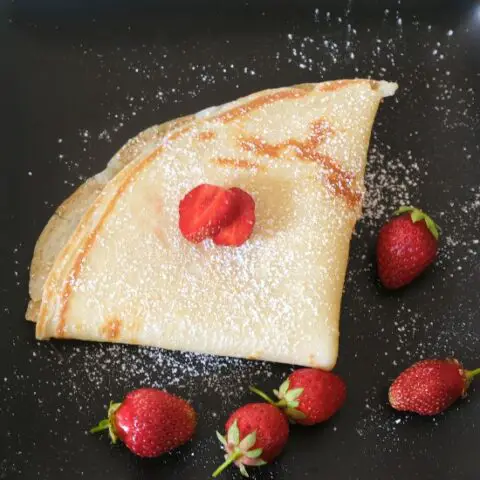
472 373
108 423
103 425
263 395
231 459
280 404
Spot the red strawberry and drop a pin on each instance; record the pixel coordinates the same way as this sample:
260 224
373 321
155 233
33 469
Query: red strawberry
241 228
256 434
208 211
309 396
406 246
150 422
429 387
205 210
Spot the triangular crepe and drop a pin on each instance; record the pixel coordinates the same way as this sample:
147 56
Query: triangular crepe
127 275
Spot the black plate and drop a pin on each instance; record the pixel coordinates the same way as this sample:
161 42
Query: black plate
80 78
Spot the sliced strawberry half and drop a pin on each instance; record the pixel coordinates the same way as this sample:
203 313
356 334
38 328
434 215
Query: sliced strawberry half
205 210
239 230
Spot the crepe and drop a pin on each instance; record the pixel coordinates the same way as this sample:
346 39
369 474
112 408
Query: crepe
67 216
127 275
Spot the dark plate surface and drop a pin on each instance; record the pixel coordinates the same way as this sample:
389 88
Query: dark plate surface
79 80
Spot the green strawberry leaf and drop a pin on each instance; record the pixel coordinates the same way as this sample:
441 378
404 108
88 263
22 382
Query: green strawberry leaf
254 453
283 388
276 393
248 442
111 417
295 414
113 407
403 209
102 425
243 470
293 395
108 423
432 226
417 215
222 439
233 434
257 462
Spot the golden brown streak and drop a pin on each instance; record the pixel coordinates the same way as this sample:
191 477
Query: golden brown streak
88 243
268 99
209 135
338 180
111 328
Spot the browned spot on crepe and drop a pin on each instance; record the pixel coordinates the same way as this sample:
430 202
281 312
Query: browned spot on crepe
178 133
111 328
257 103
338 180
208 135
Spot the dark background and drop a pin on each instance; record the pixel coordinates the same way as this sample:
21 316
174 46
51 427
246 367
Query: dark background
79 78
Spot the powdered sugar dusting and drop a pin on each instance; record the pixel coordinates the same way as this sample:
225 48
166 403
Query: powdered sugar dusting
438 115
189 374
392 178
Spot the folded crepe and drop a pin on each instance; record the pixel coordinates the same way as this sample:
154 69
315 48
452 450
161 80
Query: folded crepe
126 274
67 216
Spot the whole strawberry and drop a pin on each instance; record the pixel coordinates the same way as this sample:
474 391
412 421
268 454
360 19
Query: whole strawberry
256 434
150 422
309 396
429 387
406 246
